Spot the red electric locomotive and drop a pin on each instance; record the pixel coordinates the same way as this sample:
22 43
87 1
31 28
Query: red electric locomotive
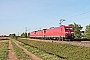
62 32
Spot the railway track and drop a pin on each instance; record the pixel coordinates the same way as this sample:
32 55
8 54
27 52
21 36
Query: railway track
76 42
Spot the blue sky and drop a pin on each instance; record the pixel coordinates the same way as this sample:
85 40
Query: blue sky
15 15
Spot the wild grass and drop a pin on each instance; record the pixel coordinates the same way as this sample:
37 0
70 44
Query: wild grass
42 54
21 55
3 50
64 51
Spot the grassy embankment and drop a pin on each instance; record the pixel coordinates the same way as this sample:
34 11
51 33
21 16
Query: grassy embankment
64 51
42 54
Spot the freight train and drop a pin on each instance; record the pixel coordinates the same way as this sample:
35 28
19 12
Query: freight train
58 33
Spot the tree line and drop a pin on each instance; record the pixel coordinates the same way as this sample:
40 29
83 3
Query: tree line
23 35
77 32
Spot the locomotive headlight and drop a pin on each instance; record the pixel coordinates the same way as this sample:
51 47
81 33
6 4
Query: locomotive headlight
72 32
66 32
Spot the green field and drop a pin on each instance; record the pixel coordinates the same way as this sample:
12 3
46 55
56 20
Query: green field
64 51
42 54
19 52
3 50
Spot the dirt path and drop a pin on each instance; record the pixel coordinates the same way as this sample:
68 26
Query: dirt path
32 56
11 53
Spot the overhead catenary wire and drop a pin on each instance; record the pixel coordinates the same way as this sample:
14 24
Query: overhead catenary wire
71 17
77 15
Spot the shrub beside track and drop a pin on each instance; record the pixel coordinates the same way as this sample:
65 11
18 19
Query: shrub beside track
62 50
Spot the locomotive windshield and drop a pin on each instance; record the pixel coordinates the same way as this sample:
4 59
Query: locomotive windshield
68 28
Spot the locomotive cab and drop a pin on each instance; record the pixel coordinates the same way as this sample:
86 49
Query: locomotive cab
69 32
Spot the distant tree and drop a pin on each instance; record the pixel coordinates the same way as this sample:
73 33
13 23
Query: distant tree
77 30
13 36
24 35
87 31
28 34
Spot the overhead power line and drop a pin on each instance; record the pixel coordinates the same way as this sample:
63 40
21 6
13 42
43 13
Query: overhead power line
78 15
